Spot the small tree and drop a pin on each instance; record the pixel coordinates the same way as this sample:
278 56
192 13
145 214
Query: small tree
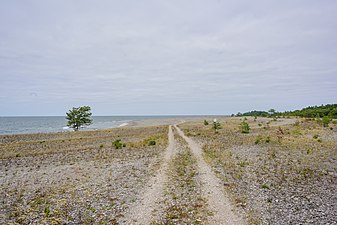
78 117
244 127
271 111
216 126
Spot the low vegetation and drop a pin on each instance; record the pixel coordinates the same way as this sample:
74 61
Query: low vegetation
281 172
244 127
76 177
183 203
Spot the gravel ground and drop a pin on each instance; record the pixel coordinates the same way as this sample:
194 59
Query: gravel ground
282 172
85 181
275 178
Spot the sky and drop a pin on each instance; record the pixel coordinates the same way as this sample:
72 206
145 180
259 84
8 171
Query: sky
160 57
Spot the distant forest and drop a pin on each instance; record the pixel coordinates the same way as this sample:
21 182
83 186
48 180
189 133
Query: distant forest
329 110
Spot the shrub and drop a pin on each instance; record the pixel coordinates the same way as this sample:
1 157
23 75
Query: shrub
258 139
216 126
315 136
325 121
244 127
117 144
268 139
152 142
265 186
205 122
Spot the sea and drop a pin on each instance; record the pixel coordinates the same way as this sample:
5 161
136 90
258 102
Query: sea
47 124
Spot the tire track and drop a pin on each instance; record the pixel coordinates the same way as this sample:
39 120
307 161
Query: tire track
218 202
141 212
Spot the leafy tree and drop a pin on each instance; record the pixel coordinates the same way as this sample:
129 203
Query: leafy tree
272 111
244 127
78 117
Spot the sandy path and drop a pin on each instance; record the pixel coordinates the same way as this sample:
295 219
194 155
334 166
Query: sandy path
218 202
141 211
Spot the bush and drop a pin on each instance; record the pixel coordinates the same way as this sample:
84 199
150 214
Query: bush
325 121
216 126
117 144
258 139
244 127
152 142
205 122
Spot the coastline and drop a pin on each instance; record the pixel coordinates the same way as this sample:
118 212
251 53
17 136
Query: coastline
135 122
171 121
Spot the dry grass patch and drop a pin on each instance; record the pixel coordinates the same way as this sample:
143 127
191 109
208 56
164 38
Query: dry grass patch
279 172
184 203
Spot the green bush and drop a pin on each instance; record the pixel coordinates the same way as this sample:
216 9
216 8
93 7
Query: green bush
216 126
205 122
152 142
244 127
265 186
117 144
258 139
325 121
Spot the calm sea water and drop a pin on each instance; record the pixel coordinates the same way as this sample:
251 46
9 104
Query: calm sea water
20 125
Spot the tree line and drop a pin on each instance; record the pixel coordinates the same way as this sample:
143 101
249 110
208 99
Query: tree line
329 110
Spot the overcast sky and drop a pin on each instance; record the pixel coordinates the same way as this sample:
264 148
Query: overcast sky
166 57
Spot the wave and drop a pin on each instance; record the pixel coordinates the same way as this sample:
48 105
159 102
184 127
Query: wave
123 124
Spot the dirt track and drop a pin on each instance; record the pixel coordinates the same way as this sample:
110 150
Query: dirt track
144 211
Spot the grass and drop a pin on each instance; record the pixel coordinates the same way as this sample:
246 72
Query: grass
303 152
184 203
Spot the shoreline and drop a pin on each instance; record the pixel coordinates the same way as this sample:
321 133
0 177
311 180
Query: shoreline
128 124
